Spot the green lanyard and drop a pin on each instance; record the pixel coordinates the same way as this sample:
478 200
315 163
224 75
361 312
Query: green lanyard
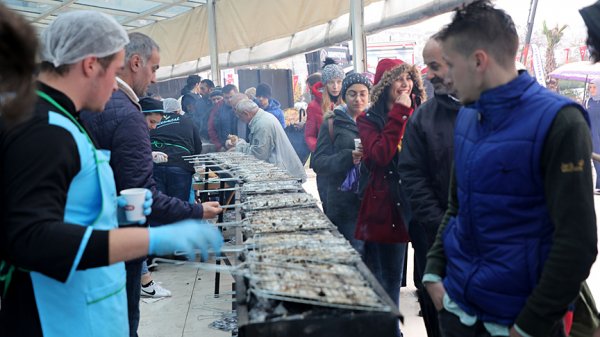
64 111
6 269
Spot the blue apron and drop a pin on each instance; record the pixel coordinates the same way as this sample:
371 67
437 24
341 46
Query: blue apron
91 302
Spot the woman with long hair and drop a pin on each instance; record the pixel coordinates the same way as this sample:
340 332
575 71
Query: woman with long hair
337 155
327 97
384 212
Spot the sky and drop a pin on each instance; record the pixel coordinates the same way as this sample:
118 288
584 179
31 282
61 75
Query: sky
554 12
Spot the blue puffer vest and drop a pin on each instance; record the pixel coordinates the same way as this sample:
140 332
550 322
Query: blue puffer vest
497 245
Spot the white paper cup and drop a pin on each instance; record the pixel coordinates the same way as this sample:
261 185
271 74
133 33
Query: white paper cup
134 209
357 143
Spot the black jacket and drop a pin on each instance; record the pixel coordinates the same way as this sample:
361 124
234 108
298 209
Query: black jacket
334 158
200 117
176 136
189 101
426 159
122 129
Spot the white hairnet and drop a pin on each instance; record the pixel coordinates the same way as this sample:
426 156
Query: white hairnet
171 105
73 36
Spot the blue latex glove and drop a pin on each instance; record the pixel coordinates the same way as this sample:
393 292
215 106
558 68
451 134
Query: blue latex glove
121 202
188 236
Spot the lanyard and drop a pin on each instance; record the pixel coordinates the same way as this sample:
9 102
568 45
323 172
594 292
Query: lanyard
64 111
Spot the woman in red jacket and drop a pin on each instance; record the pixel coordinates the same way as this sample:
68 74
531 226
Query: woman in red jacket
327 97
384 214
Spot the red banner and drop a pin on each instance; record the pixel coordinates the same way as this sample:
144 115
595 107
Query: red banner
582 52
567 50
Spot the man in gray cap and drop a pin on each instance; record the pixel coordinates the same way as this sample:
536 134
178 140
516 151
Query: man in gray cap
62 253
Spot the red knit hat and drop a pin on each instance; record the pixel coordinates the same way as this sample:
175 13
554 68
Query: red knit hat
383 66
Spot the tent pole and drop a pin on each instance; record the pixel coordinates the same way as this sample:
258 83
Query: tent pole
212 38
530 19
359 53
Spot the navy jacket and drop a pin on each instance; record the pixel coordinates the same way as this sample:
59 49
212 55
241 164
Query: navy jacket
274 108
122 129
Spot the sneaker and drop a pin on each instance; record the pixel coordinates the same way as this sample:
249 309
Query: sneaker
154 290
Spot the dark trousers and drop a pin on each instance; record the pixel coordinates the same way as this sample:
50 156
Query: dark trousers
322 180
421 245
134 288
451 326
173 181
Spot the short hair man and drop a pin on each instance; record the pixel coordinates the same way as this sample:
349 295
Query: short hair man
266 102
519 235
203 107
222 121
122 129
190 94
59 235
425 165
267 140
206 87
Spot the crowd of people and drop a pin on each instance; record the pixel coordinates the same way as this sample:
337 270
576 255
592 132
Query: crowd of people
490 179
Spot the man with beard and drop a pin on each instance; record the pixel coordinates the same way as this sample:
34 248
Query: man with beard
425 162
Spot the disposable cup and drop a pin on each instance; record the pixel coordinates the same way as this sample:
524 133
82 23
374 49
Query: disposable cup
134 209
357 143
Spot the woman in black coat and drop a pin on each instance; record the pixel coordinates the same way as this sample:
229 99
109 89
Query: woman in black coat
336 154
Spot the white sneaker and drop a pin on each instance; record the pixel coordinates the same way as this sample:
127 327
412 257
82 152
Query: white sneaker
155 290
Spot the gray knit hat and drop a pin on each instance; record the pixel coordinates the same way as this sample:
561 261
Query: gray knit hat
331 72
352 79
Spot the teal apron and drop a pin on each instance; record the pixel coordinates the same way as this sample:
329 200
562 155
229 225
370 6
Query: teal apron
91 302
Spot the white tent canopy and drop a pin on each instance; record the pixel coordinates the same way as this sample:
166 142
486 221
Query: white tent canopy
260 31
247 31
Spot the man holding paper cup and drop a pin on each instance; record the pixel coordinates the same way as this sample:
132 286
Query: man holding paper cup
62 254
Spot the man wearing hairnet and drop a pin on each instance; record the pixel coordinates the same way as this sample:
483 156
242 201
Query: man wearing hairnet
122 129
62 255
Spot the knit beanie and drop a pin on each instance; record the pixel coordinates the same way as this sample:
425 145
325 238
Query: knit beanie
215 93
151 106
330 72
354 79
263 90
383 66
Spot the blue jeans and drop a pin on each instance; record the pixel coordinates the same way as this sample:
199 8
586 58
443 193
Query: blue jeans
386 262
173 181
145 269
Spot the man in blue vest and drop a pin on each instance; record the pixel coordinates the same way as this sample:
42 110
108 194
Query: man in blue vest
519 236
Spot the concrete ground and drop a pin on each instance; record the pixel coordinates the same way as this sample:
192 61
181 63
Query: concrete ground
192 308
